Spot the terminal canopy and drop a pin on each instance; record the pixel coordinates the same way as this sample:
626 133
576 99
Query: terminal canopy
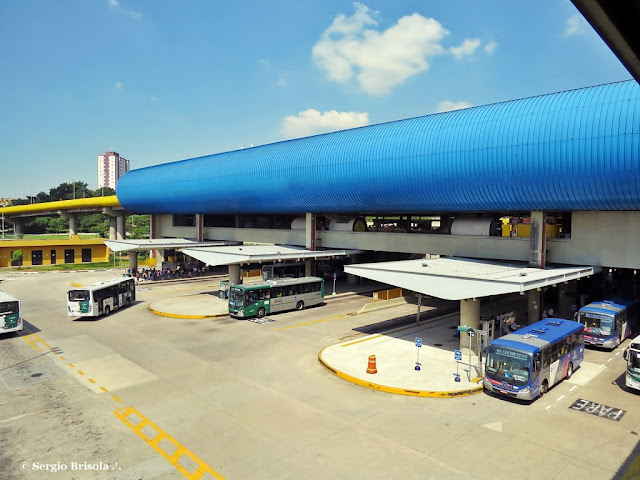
155 244
246 254
461 278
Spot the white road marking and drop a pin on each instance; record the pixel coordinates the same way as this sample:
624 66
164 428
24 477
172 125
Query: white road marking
610 359
573 388
548 407
560 398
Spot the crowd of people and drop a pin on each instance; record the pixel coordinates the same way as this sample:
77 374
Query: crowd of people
180 271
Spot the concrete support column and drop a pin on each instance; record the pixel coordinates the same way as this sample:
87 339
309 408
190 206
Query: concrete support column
234 274
73 223
308 267
199 227
534 306
133 260
469 317
18 228
538 240
112 228
120 223
159 257
310 231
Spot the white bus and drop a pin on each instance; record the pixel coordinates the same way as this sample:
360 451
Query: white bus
101 298
10 319
275 295
632 356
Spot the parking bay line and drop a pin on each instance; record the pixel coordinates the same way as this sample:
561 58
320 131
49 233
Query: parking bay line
175 453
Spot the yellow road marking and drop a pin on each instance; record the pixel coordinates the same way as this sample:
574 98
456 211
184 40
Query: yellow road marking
91 380
104 389
71 365
178 456
80 372
37 343
62 358
313 322
117 398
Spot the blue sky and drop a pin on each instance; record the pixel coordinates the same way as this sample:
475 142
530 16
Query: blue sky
159 81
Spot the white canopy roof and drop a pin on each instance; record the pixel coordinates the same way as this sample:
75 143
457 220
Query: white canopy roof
155 244
460 278
238 254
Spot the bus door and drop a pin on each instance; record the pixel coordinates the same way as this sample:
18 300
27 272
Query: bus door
98 301
115 296
251 302
535 376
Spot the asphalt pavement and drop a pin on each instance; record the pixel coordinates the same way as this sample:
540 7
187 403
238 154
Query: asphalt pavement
401 366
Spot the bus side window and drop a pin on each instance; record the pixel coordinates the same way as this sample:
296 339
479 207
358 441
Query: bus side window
296 289
305 288
536 364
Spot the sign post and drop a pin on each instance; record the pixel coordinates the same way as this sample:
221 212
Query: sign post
335 275
457 355
419 345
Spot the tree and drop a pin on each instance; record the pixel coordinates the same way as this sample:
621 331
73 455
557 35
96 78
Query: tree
138 226
103 192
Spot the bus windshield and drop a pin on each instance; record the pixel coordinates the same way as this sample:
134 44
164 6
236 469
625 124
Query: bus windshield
236 297
508 365
596 325
8 307
78 295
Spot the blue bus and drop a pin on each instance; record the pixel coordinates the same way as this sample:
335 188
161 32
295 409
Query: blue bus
608 323
526 363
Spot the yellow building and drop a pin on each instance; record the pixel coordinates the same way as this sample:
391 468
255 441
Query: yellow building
51 252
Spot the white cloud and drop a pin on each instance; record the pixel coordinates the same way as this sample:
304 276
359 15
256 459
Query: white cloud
353 46
114 5
490 47
282 82
448 105
311 122
575 26
378 60
118 85
467 48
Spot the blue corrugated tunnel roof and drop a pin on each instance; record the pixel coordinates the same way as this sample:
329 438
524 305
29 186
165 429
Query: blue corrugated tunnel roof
573 150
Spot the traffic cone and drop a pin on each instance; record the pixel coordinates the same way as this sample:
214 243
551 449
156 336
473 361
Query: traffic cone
372 364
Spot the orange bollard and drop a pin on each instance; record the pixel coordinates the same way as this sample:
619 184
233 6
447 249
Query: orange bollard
372 364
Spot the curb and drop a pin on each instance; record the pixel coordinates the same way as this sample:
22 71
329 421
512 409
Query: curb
400 391
191 317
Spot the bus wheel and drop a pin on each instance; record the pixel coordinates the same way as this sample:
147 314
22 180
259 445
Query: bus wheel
569 371
107 310
544 388
300 305
261 312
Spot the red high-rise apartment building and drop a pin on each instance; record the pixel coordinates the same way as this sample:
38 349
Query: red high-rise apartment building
111 166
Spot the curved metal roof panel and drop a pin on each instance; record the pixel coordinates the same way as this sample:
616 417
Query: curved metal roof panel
574 150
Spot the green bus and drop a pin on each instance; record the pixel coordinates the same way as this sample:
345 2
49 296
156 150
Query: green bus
276 295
